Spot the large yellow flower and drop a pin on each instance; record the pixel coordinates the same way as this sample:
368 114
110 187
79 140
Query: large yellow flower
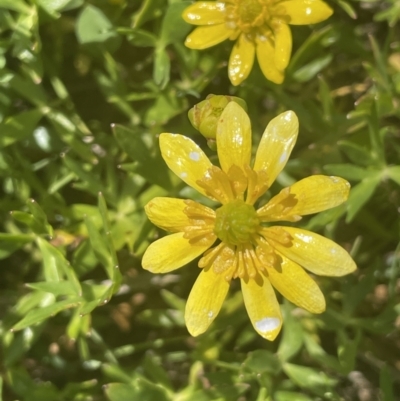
258 26
244 243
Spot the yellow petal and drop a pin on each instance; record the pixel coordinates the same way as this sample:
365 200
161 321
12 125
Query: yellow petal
241 60
266 58
205 301
314 252
310 195
276 144
234 137
170 253
304 12
167 213
205 13
207 36
317 193
184 158
297 286
262 307
283 45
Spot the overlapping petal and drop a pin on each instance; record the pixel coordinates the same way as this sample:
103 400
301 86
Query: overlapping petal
207 36
315 253
184 158
262 307
266 59
171 252
205 13
297 286
283 45
304 12
276 144
205 301
241 60
167 213
234 137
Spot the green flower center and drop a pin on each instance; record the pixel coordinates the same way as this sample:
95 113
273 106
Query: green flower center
249 11
236 222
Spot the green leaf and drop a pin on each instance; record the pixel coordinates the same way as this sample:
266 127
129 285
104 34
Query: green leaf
348 171
149 163
292 339
116 273
162 66
19 127
55 266
348 8
291 396
174 28
16 5
162 318
55 288
357 154
149 10
360 194
120 392
311 69
9 243
38 315
262 361
100 248
309 378
347 350
142 38
394 173
386 384
140 389
92 26
39 215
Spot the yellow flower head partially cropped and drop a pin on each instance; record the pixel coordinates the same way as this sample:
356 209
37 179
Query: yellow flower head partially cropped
237 239
258 26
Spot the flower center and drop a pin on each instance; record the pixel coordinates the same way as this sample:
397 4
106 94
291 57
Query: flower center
249 11
236 222
248 15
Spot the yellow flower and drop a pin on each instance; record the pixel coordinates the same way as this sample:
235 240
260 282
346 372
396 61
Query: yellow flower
258 26
243 242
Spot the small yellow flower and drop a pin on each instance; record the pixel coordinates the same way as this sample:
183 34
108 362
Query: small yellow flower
242 241
258 26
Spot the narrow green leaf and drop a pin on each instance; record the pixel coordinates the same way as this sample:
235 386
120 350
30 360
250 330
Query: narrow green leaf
348 171
309 378
56 266
116 274
360 194
18 127
100 248
348 8
38 315
311 69
394 173
162 67
150 164
292 339
386 384
55 288
291 396
9 243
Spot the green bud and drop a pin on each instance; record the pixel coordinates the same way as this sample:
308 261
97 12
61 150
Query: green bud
204 116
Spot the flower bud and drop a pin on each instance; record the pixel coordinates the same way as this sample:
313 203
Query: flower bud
204 116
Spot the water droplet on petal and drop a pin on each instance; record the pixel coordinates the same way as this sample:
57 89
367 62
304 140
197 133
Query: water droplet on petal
268 324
